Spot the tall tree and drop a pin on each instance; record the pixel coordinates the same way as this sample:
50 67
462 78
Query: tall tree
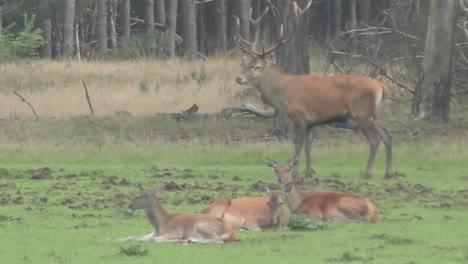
1 20
160 13
437 63
171 23
244 7
68 25
111 22
125 19
101 25
337 16
149 15
46 50
221 20
189 28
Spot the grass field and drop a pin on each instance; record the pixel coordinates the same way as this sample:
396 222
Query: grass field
66 183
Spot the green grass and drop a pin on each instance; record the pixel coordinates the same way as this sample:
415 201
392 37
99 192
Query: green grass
73 215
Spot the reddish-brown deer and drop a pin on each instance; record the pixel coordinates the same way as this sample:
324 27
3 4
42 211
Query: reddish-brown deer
251 213
179 227
323 206
313 100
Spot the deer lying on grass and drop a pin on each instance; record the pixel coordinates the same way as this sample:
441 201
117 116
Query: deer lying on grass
251 213
314 100
323 206
179 227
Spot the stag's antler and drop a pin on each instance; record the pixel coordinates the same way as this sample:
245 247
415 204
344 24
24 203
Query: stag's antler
247 46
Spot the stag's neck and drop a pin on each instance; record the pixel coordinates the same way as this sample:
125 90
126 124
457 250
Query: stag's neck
274 86
294 198
156 214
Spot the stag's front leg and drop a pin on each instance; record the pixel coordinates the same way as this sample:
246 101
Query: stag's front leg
298 143
309 136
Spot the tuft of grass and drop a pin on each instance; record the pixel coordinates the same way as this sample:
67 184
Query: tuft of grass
302 223
133 250
351 257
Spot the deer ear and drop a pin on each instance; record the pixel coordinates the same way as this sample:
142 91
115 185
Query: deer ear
271 163
140 187
293 162
265 188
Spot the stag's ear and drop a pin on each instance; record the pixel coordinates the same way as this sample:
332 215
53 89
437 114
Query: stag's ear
292 163
271 163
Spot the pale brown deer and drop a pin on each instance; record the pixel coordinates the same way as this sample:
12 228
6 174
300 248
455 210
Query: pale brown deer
322 206
251 213
313 100
179 227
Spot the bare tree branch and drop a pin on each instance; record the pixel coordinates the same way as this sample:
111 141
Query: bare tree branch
27 103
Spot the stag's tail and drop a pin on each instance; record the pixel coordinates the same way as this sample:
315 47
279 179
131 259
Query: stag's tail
385 91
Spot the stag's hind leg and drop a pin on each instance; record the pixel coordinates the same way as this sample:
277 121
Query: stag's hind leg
372 136
387 138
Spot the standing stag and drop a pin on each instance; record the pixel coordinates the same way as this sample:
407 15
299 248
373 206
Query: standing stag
178 227
313 100
322 206
251 213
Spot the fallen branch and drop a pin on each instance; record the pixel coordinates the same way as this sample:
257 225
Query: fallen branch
27 103
88 99
246 110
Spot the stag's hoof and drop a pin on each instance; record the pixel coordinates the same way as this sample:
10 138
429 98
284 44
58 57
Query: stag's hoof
311 173
388 176
366 176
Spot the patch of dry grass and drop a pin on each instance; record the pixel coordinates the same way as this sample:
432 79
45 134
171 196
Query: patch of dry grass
140 87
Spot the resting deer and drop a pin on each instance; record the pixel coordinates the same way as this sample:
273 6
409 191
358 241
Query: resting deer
323 206
251 213
179 227
314 100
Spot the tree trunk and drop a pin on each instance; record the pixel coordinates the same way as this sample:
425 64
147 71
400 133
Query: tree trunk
56 38
352 23
125 15
101 25
46 50
1 20
149 16
202 43
364 7
437 63
160 13
244 7
68 25
171 25
293 57
112 18
221 38
189 28
337 16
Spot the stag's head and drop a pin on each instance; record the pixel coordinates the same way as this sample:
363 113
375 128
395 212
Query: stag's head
283 173
253 70
256 64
